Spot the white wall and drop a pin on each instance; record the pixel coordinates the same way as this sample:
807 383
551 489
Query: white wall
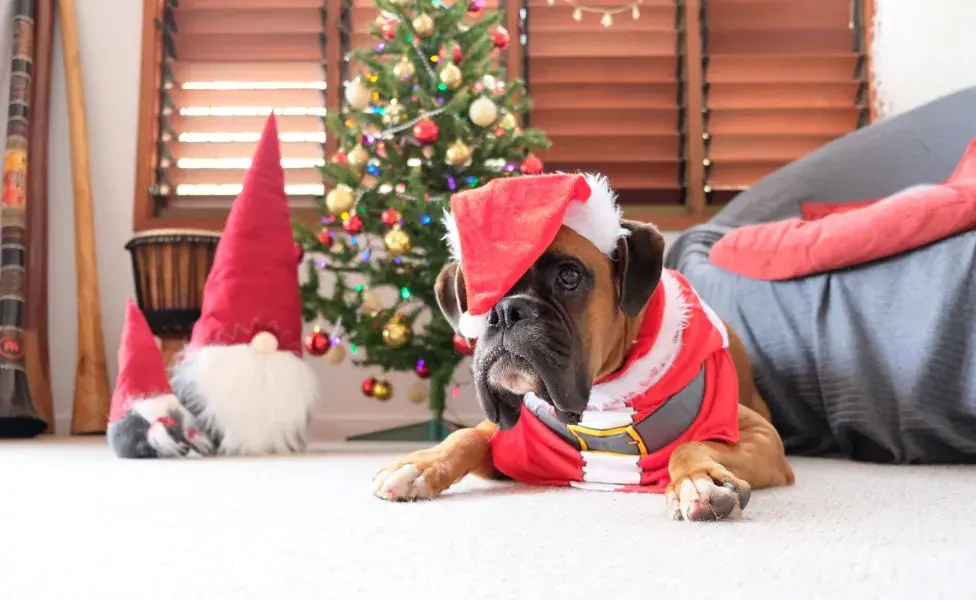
923 49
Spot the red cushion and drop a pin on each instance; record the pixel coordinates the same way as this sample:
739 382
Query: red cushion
812 211
875 230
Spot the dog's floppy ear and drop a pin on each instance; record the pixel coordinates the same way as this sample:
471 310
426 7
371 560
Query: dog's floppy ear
639 260
452 297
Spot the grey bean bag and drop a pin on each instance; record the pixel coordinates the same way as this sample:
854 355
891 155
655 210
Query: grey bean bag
876 362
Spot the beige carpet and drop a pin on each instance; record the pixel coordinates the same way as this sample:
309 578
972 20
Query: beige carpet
75 523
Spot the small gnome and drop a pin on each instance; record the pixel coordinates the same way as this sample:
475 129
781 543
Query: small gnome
242 374
146 420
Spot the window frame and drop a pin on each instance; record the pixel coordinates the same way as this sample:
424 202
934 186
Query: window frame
694 211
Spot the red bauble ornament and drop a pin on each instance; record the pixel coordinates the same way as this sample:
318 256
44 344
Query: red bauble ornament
461 345
391 217
422 369
499 38
317 343
476 8
500 131
389 29
456 54
299 252
353 225
326 238
368 384
340 158
531 166
426 131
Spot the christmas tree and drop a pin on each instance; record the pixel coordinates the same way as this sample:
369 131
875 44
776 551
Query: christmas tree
427 113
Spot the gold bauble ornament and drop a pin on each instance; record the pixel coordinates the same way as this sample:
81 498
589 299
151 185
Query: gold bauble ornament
394 113
396 333
383 390
451 76
457 153
404 69
370 303
483 112
357 94
508 122
335 355
423 24
339 200
357 158
416 393
397 241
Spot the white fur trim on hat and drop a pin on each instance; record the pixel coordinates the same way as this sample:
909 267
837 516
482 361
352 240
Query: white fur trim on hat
472 326
597 219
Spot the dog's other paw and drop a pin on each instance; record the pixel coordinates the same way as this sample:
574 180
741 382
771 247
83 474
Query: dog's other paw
706 495
419 476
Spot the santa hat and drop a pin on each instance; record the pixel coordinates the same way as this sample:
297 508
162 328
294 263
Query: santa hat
499 230
253 284
142 371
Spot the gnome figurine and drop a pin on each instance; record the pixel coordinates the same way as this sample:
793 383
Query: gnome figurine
242 374
146 420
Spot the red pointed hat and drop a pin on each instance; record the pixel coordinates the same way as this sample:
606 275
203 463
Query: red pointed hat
142 371
253 285
499 230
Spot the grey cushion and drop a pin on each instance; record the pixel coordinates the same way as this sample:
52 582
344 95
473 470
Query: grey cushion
919 146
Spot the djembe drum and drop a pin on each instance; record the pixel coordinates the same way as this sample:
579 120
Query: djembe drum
170 267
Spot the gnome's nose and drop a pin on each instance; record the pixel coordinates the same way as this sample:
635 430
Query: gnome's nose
264 342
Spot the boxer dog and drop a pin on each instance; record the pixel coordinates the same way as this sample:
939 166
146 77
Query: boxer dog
575 317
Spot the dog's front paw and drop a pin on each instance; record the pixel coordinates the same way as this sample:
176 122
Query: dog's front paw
416 477
706 495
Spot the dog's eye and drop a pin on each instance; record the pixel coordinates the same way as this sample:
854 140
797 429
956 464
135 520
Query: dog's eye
569 278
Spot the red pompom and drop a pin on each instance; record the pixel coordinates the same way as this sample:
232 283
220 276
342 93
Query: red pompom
368 384
317 343
353 225
461 345
426 131
531 166
391 217
422 369
389 29
499 38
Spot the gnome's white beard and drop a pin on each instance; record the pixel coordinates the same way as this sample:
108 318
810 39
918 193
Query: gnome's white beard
249 402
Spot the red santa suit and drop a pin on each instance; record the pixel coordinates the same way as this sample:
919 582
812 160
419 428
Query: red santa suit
677 385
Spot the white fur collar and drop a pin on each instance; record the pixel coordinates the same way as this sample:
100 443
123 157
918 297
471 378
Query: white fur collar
646 371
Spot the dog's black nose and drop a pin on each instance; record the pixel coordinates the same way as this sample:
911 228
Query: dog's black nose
510 311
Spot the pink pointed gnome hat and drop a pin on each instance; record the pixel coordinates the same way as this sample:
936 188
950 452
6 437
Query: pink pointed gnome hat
142 371
253 285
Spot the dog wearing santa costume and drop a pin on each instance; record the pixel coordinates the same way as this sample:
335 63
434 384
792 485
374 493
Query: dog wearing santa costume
145 419
596 367
242 374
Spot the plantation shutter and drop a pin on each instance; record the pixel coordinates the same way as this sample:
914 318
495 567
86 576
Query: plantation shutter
782 78
227 65
609 97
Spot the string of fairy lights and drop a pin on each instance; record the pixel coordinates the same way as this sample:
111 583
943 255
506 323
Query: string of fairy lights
607 12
